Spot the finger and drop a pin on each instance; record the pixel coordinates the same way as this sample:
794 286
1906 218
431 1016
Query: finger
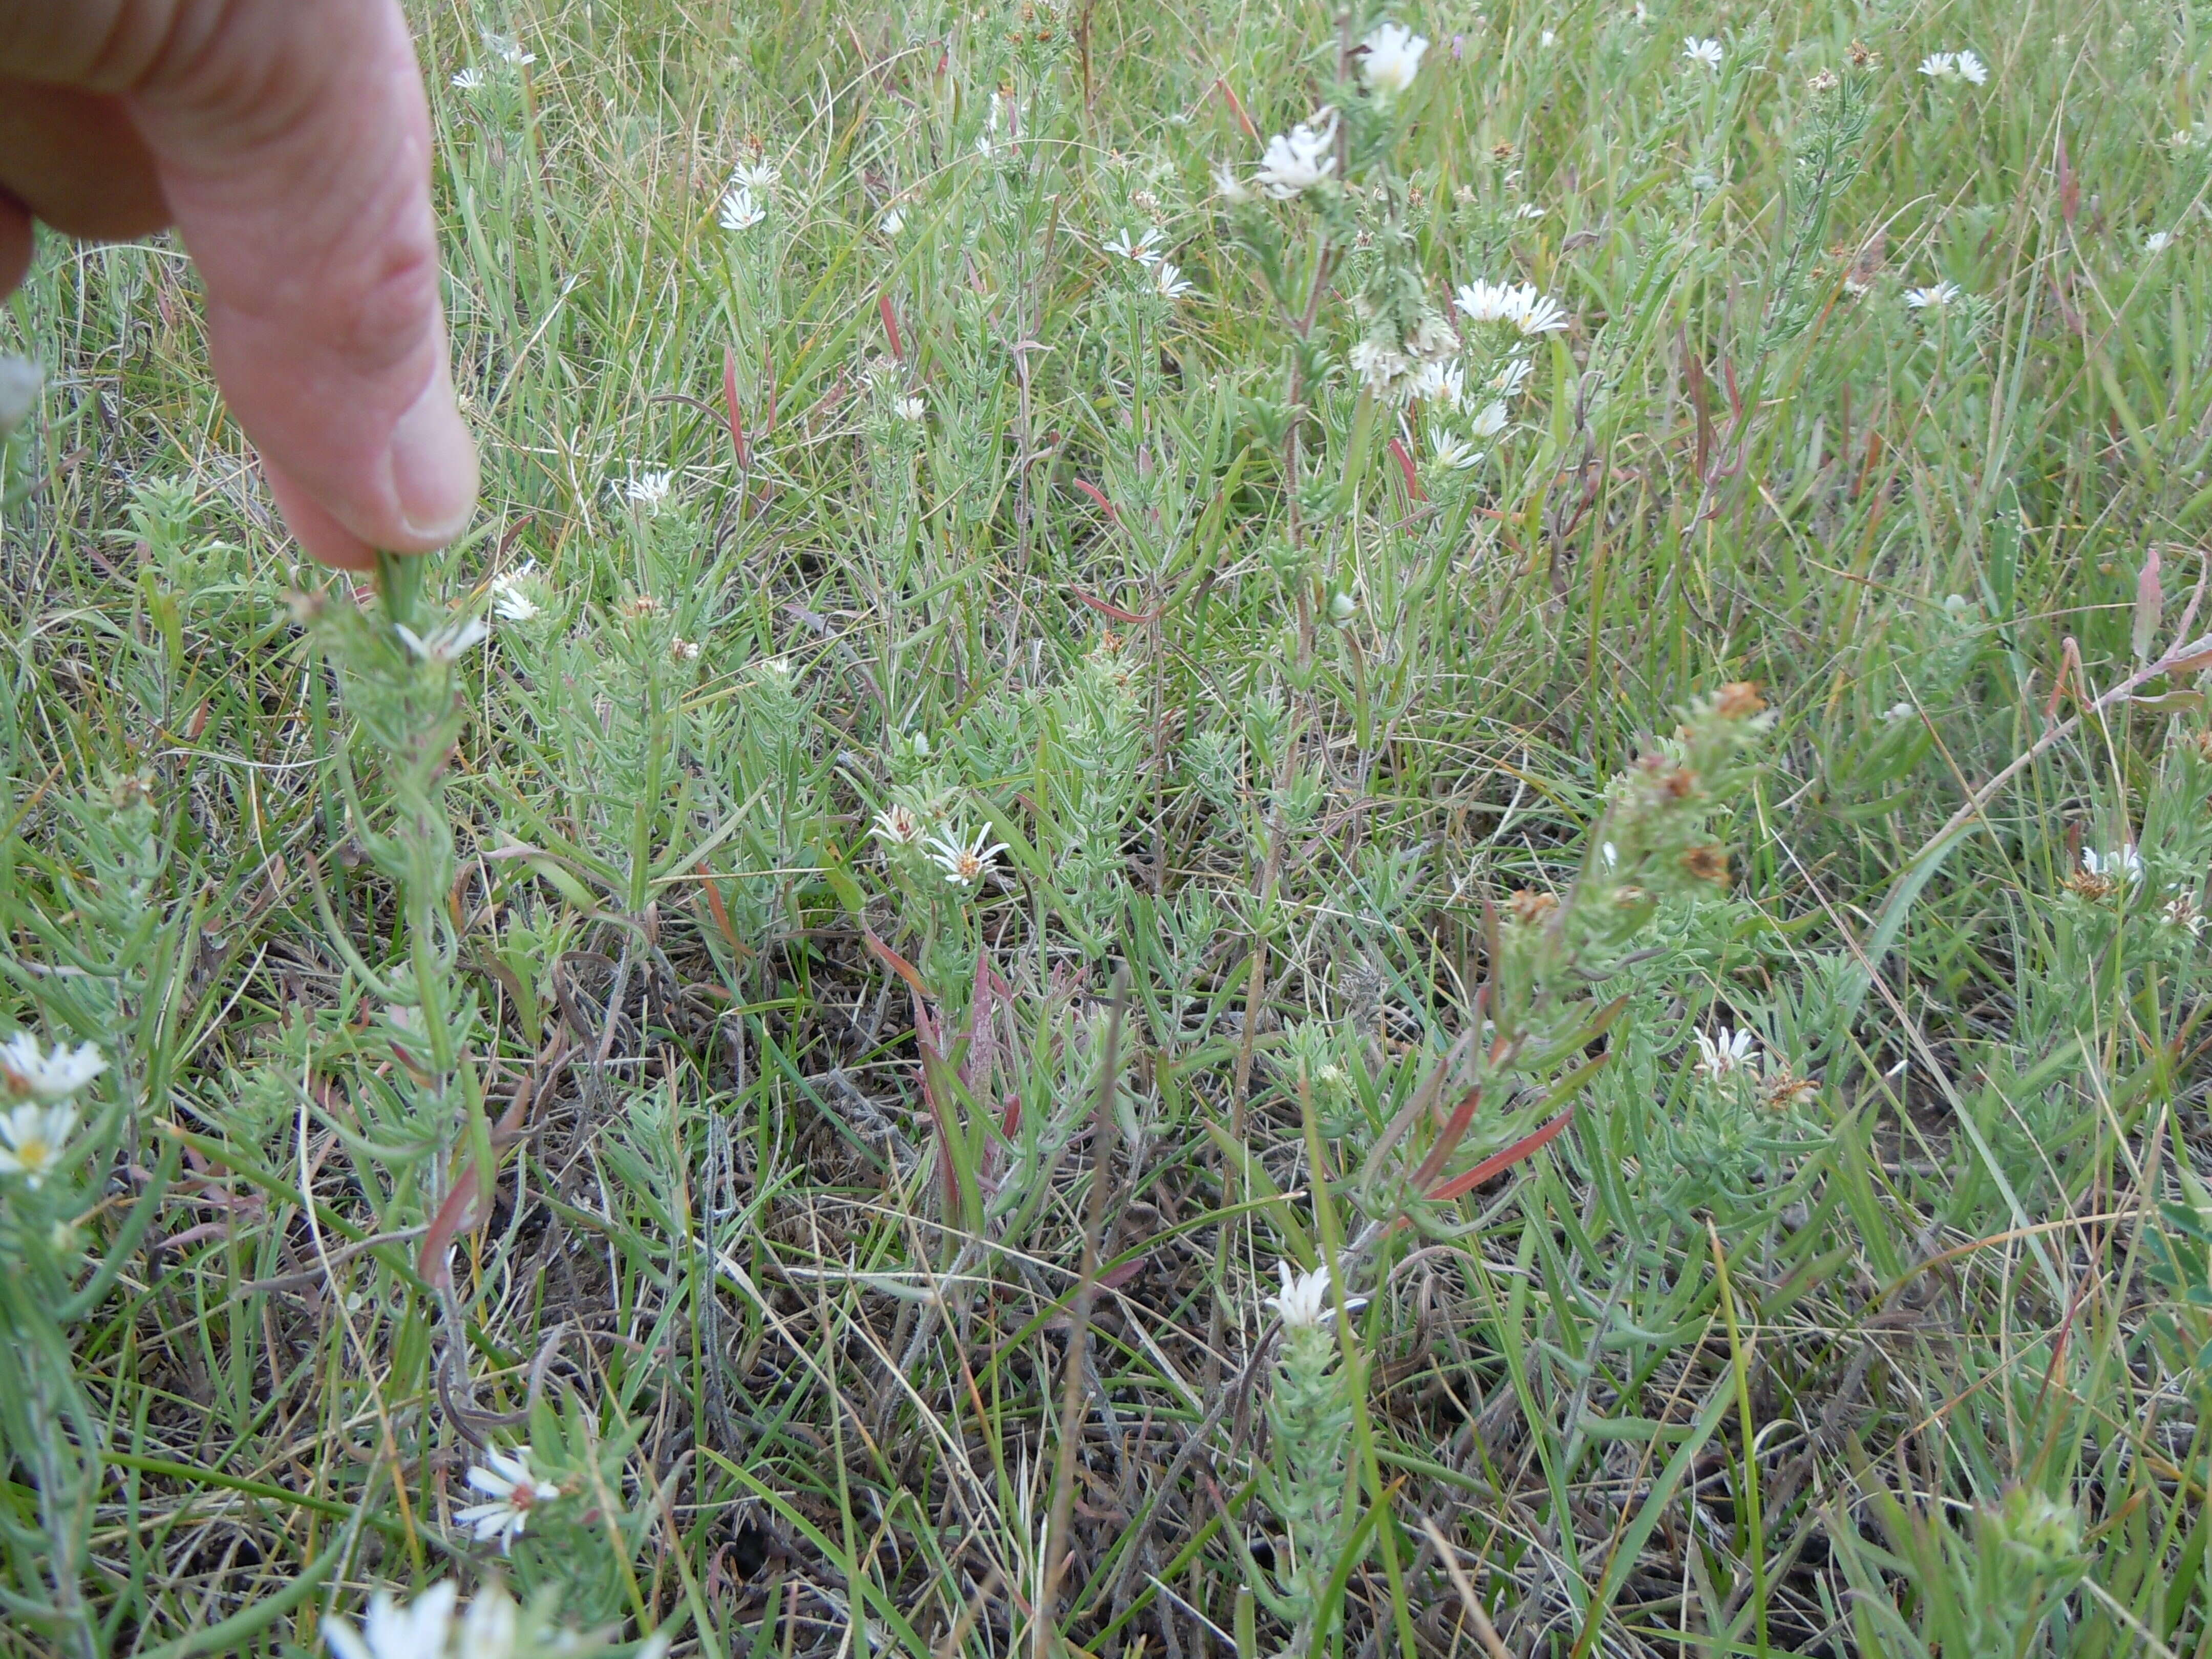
311 526
14 243
74 159
292 141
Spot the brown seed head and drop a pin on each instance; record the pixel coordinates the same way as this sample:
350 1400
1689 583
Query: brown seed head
1738 701
1708 863
1530 907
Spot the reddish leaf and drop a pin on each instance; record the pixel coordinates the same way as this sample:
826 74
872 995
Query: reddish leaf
1115 611
1498 1163
1448 1141
1406 465
1099 496
890 326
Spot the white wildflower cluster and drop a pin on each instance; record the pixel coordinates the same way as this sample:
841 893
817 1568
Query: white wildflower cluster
1391 59
41 1084
520 595
745 198
434 1625
1310 1411
1956 67
960 860
644 492
1297 161
1466 409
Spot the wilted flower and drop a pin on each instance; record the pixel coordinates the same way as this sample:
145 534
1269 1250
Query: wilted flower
1941 294
32 1140
1394 58
29 1071
2182 911
1144 250
1705 51
740 211
683 650
1304 1301
1297 161
1169 282
965 863
1380 364
446 644
512 1491
897 824
1725 1055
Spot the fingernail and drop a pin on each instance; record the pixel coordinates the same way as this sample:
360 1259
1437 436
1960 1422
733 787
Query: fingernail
434 465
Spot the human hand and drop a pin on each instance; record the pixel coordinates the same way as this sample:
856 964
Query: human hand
288 141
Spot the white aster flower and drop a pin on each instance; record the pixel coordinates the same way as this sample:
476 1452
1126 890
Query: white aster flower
1512 377
897 824
1940 66
30 1071
470 79
1549 39
1297 161
1303 1300
514 594
909 408
1170 281
1971 68
648 490
32 1141
1528 211
1394 58
1728 1053
422 1630
511 1490
444 645
754 175
2158 242
740 210
1489 419
892 222
1145 250
965 863
1451 452
1231 189
1439 382
1705 51
683 650
1934 297
1487 302
2125 865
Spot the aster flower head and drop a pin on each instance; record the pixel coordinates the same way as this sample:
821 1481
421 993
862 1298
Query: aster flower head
648 491
1168 282
2125 865
1971 69
1483 301
892 222
965 863
1144 249
511 1490
422 1630
741 210
1940 65
1297 161
446 645
1726 1054
1226 185
1705 51
1489 420
1380 365
1394 58
1449 453
470 79
909 408
508 49
30 1071
2158 242
759 176
515 594
1932 298
1512 377
33 1139
1304 1301
1440 382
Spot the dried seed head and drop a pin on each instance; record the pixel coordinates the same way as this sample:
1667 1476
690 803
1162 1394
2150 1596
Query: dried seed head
1708 863
1530 907
1739 700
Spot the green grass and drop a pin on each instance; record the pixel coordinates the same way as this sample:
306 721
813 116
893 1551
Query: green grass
772 1162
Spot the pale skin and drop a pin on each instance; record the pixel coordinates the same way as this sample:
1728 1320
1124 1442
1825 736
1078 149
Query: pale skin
288 141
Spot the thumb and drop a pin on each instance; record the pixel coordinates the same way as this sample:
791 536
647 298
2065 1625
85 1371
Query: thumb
291 141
